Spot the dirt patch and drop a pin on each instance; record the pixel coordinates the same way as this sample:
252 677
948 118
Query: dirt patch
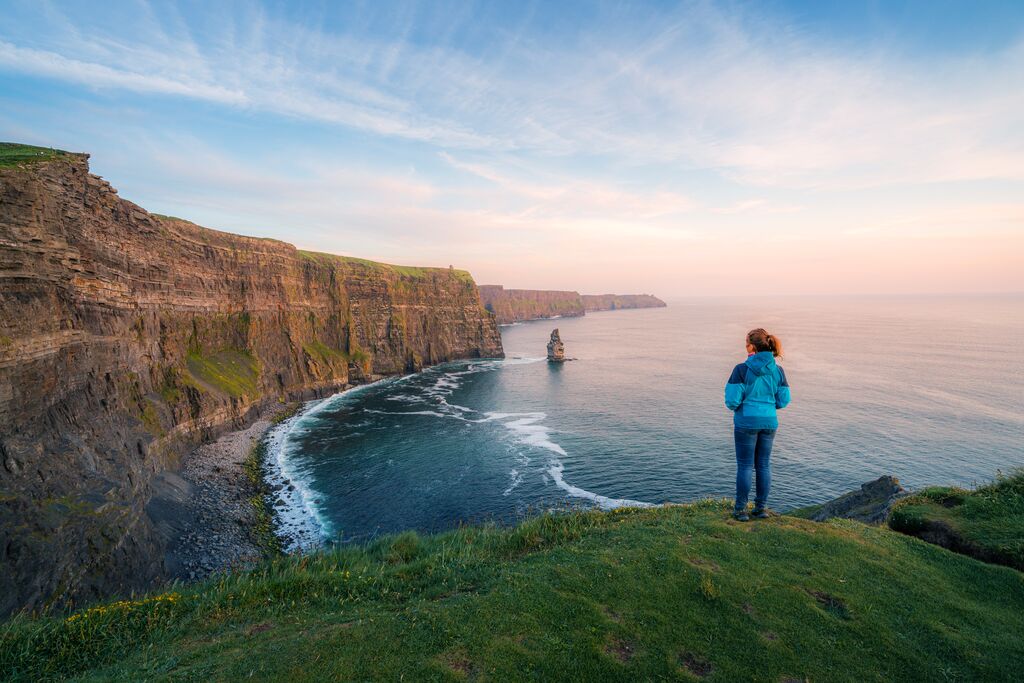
704 563
831 604
749 609
697 666
459 662
621 649
259 628
611 614
770 636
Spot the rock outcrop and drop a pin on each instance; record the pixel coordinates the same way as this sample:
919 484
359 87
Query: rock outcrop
515 305
869 504
614 302
127 338
556 349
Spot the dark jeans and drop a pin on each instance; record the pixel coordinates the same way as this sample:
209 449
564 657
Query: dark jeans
753 451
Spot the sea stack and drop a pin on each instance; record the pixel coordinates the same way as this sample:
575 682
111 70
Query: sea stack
556 349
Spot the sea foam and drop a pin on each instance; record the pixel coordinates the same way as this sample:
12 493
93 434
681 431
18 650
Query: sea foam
300 521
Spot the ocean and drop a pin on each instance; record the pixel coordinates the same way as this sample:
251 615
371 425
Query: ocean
929 389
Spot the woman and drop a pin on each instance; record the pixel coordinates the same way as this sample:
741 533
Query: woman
755 390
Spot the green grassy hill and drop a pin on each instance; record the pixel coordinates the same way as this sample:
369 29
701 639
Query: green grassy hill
678 593
986 523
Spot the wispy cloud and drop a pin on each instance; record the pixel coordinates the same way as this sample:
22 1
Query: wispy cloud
654 136
734 93
53 65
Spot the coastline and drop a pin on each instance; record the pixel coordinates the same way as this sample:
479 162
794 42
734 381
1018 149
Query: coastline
228 498
205 510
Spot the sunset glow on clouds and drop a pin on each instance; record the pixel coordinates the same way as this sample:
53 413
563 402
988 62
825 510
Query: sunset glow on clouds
701 148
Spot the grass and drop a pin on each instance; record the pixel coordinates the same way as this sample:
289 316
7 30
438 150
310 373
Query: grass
986 523
678 593
415 272
806 511
14 154
325 355
230 371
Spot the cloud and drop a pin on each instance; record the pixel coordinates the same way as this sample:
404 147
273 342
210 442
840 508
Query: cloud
655 140
52 65
732 92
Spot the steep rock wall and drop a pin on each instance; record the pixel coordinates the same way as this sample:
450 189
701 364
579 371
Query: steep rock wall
614 302
511 305
126 338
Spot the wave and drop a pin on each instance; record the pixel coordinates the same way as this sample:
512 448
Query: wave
300 522
529 429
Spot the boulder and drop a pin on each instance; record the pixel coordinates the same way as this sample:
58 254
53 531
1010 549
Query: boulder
870 504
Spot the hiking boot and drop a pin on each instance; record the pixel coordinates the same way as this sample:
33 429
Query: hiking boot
741 516
760 513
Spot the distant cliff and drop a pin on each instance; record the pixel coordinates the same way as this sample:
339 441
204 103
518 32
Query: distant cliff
513 305
126 338
614 302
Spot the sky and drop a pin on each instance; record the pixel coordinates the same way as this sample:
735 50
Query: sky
685 148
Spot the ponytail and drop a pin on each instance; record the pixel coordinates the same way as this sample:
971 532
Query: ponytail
762 341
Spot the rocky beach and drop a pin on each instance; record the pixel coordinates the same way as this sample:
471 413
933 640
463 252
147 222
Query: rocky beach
205 508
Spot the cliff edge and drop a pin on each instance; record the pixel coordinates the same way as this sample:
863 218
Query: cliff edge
616 302
515 305
127 338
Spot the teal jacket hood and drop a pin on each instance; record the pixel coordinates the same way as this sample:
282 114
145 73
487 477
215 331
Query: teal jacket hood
761 362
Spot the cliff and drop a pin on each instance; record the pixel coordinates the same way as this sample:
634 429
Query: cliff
511 305
127 338
614 302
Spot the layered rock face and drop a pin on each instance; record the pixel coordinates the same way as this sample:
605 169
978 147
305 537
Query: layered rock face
614 302
514 305
511 305
127 338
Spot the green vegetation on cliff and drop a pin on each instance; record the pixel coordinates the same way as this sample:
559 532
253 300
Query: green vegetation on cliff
403 271
324 354
230 371
986 523
14 154
680 593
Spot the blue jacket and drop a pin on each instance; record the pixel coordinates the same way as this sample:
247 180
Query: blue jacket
755 390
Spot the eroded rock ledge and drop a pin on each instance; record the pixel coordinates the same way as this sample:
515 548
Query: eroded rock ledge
127 338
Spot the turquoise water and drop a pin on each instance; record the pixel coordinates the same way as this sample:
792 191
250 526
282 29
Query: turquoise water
928 389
